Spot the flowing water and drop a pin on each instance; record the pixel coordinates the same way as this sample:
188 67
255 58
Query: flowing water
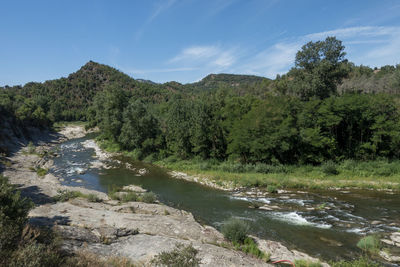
325 224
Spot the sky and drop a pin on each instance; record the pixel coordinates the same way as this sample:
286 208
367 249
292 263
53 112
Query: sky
185 40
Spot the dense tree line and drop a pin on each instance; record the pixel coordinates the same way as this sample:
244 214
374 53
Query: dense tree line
311 123
315 112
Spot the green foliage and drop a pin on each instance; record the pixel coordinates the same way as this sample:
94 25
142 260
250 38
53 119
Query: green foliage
329 168
272 189
370 244
36 254
129 196
31 148
250 247
235 230
13 216
148 197
182 256
361 262
65 195
41 172
320 66
306 263
93 198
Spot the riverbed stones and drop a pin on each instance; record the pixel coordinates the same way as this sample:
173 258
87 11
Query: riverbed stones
389 257
395 237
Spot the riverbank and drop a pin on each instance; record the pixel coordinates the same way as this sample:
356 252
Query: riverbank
134 230
347 175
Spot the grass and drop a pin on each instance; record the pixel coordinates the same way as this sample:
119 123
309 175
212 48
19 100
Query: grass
148 197
306 263
181 255
362 262
117 193
378 174
65 195
41 172
370 244
235 230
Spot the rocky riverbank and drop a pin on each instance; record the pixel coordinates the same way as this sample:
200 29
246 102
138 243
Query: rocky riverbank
135 230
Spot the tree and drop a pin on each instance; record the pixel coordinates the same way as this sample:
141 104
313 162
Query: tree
140 128
319 67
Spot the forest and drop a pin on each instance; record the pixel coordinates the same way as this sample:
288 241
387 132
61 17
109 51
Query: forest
324 109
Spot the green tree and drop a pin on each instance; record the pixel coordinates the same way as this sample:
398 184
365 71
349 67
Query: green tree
140 128
319 67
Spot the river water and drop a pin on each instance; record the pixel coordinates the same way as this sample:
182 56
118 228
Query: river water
325 224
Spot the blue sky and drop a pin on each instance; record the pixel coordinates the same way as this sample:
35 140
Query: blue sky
184 40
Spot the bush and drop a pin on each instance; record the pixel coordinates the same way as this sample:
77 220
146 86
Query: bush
31 148
65 195
306 263
13 216
181 256
272 189
129 196
362 262
35 254
250 247
41 172
93 198
329 168
235 230
148 197
370 244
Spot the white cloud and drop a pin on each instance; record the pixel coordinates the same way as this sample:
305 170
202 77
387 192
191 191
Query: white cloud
212 57
367 45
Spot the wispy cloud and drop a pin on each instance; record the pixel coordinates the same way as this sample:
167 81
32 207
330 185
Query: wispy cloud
213 57
147 71
367 45
158 9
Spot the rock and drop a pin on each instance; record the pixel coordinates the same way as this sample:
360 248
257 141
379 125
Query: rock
331 242
279 252
395 237
134 188
142 171
388 242
376 222
387 256
269 207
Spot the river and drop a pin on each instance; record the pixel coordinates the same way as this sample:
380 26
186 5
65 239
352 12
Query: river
325 224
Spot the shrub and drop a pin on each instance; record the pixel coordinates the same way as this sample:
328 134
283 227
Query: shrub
306 263
65 195
361 262
129 196
112 192
250 247
13 215
31 148
35 254
41 171
369 244
272 189
329 168
235 230
93 198
182 256
148 197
